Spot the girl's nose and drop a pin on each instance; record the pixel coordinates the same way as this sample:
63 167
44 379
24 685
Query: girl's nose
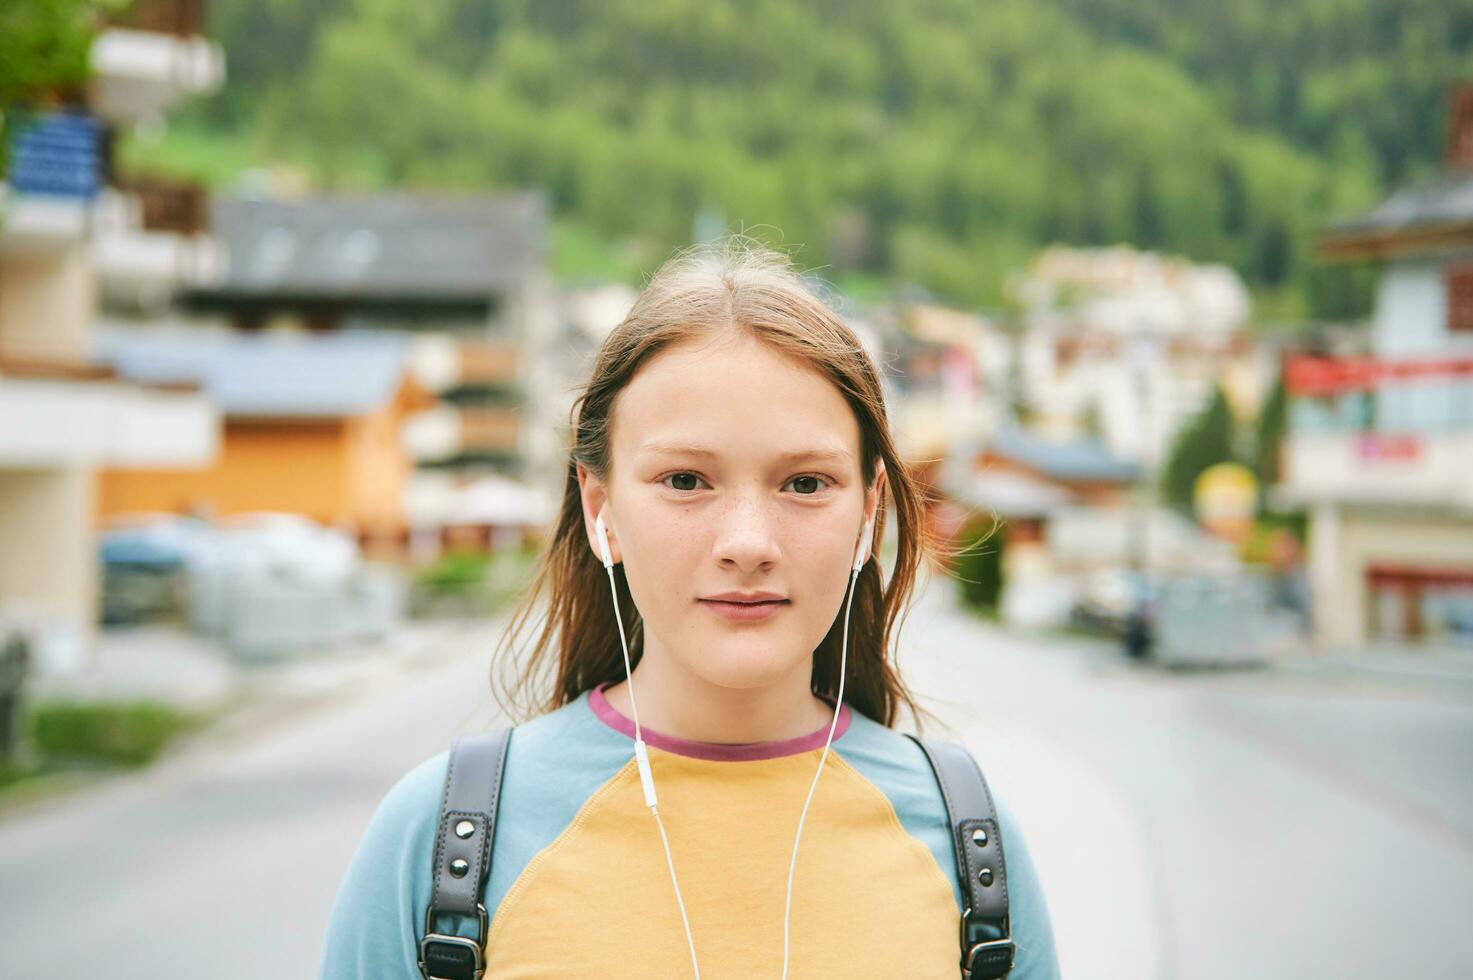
746 537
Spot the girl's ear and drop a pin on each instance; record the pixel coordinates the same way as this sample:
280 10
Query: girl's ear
875 493
595 500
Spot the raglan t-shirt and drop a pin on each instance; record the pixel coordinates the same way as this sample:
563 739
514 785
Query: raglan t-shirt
579 886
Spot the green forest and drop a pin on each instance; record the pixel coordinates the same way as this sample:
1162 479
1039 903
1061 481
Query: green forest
937 143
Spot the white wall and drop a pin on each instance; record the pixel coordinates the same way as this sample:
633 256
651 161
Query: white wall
1343 466
46 422
1411 311
48 559
47 301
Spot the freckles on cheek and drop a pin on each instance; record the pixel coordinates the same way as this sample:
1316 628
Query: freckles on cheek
662 538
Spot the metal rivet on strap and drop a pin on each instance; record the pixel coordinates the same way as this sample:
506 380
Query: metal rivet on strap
979 837
464 829
459 867
985 876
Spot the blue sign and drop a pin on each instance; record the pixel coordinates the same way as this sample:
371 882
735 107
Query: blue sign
55 154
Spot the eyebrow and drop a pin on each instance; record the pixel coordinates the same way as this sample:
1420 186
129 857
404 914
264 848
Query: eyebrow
791 456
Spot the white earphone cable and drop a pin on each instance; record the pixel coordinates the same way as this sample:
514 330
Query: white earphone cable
647 779
838 706
628 672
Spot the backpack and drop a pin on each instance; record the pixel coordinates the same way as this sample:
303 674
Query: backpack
462 858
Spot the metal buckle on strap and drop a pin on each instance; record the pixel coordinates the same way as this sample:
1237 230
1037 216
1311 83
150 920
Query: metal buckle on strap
991 959
445 957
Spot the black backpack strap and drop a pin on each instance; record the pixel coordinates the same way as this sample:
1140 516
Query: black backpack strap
462 860
986 941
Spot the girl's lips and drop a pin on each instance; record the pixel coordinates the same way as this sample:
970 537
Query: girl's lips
744 611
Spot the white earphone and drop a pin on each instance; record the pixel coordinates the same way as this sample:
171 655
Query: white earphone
603 541
861 554
641 752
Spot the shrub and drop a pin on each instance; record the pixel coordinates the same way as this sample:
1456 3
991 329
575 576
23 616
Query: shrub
978 568
457 570
127 733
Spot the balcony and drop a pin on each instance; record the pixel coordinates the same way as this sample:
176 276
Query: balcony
151 239
1380 431
152 56
446 433
66 413
443 362
165 205
488 364
38 225
489 429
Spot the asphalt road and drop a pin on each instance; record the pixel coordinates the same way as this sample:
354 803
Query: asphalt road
1187 827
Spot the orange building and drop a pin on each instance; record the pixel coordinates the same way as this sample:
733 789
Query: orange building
311 426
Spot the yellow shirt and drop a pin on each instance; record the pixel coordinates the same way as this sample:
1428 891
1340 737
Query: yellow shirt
579 886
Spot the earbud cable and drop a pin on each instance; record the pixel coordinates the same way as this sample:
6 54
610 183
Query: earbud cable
838 706
641 755
647 777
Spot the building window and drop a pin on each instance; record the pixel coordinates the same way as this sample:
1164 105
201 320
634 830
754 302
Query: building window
1460 298
1433 605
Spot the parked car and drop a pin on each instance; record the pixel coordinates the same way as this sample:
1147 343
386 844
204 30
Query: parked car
145 561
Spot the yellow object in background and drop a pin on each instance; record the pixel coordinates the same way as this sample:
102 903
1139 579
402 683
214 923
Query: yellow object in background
1225 498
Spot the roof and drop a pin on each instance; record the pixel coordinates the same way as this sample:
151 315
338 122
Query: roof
1429 216
395 247
1082 460
265 375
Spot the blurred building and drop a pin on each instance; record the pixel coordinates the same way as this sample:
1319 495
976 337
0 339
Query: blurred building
1380 447
1126 346
62 414
464 279
1083 469
313 427
150 235
947 373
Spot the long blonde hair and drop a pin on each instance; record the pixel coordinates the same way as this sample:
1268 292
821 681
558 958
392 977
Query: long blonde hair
736 284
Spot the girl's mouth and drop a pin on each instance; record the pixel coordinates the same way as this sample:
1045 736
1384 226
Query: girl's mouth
744 611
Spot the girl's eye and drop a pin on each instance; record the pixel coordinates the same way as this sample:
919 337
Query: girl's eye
681 476
687 482
817 483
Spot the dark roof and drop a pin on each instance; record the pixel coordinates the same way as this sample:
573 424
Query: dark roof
1083 460
1426 217
393 247
266 375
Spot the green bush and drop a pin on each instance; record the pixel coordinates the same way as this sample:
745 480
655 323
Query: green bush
457 570
13 772
126 733
979 567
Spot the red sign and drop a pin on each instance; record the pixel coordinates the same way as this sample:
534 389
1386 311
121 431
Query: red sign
1379 448
1309 375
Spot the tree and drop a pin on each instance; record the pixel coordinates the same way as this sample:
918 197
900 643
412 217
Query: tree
1206 440
43 53
1269 437
963 135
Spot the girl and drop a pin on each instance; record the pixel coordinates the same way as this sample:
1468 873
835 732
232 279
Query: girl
730 465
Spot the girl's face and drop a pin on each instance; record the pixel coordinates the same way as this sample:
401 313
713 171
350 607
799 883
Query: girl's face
735 470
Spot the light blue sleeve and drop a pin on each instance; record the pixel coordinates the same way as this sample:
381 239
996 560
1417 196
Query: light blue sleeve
1035 957
378 918
899 768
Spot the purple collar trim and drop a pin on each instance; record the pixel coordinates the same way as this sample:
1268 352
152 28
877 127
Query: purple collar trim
715 751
